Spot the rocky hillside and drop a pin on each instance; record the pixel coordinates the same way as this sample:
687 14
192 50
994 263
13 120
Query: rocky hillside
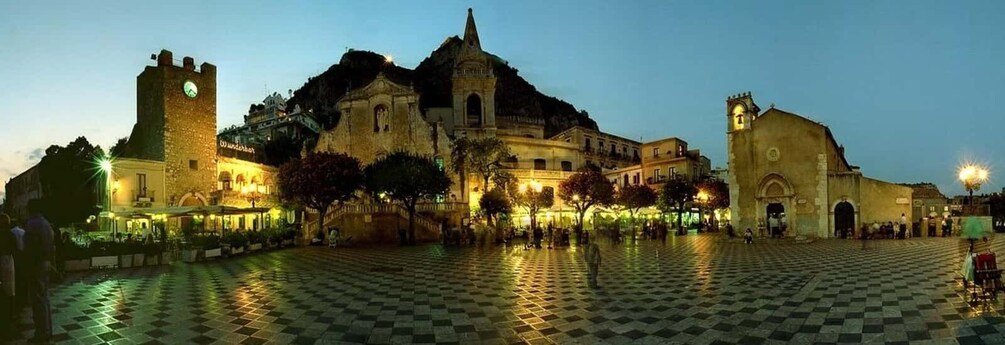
431 79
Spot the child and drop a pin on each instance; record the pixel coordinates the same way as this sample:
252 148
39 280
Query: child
748 236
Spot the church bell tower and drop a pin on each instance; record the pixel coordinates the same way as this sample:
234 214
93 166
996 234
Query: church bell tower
474 87
740 112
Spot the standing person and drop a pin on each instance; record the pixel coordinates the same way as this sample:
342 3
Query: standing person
946 225
903 229
592 256
931 228
8 245
38 255
773 225
784 226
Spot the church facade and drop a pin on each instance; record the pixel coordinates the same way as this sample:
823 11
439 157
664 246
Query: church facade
789 167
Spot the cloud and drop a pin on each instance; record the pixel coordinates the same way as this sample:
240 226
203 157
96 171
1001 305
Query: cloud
36 155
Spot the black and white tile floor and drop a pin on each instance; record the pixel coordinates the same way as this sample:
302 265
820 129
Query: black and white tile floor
688 290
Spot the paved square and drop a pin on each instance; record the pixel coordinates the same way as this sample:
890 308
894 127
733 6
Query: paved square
693 290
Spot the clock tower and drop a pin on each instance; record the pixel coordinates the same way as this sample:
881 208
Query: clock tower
176 124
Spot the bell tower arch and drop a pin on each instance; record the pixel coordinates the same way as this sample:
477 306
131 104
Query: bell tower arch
474 86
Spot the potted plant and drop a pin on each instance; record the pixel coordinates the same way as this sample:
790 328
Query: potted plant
211 246
125 253
255 241
237 241
151 253
76 257
103 254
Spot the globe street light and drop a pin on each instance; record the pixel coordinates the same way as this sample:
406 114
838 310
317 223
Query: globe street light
972 176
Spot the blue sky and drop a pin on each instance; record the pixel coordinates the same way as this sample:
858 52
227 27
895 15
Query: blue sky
911 88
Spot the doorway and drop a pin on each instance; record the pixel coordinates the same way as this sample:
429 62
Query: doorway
844 218
776 219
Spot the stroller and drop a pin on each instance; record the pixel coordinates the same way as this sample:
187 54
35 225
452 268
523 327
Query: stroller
982 277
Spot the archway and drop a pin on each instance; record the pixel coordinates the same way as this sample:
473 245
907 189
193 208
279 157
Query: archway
844 217
474 111
776 219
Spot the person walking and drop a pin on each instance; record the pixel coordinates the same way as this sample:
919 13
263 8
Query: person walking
38 248
8 246
592 256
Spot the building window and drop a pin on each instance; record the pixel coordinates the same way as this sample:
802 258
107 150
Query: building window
540 164
600 148
141 185
589 146
673 171
656 152
656 175
614 148
635 179
680 150
566 166
626 180
474 113
193 164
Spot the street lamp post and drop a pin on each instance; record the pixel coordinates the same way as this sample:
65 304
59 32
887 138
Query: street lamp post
702 198
972 176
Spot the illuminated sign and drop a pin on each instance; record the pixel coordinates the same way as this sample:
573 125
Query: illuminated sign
236 147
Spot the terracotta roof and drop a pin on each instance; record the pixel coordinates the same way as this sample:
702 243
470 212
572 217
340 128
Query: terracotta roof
925 191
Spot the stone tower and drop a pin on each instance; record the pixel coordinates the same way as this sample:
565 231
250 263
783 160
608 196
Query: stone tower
176 124
474 87
740 114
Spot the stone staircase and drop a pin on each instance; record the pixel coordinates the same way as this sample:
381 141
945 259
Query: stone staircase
340 211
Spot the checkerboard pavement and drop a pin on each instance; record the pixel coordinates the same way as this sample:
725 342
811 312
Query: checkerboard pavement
687 290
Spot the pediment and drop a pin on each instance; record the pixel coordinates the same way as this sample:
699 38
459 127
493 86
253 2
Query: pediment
379 86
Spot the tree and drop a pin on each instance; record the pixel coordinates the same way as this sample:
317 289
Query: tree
585 189
320 180
674 195
407 178
72 182
119 148
495 203
534 197
634 197
281 149
715 194
483 156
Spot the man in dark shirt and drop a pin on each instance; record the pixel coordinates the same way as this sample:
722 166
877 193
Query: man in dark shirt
38 249
8 245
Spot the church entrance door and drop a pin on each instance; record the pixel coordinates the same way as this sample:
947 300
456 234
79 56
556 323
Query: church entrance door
776 219
844 218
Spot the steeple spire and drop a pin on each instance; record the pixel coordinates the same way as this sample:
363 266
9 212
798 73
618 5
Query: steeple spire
471 33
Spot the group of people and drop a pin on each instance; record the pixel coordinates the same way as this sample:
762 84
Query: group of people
456 236
26 256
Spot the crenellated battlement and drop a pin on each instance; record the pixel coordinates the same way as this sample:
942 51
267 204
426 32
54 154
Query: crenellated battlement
166 58
738 96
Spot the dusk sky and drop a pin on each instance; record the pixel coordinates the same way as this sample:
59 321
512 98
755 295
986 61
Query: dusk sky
910 88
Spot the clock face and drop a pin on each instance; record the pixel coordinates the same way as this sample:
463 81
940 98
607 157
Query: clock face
190 89
738 109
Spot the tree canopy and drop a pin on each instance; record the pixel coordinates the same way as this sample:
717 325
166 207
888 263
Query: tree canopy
674 195
634 197
534 197
73 184
483 156
585 189
406 178
717 191
319 180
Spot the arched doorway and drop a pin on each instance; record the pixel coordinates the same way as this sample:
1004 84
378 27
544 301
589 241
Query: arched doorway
474 111
844 217
776 219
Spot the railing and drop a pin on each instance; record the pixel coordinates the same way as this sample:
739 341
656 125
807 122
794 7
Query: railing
143 197
346 209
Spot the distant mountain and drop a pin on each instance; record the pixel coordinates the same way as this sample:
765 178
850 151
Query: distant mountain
432 80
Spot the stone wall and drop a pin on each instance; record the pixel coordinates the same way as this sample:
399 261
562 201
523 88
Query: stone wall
880 201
